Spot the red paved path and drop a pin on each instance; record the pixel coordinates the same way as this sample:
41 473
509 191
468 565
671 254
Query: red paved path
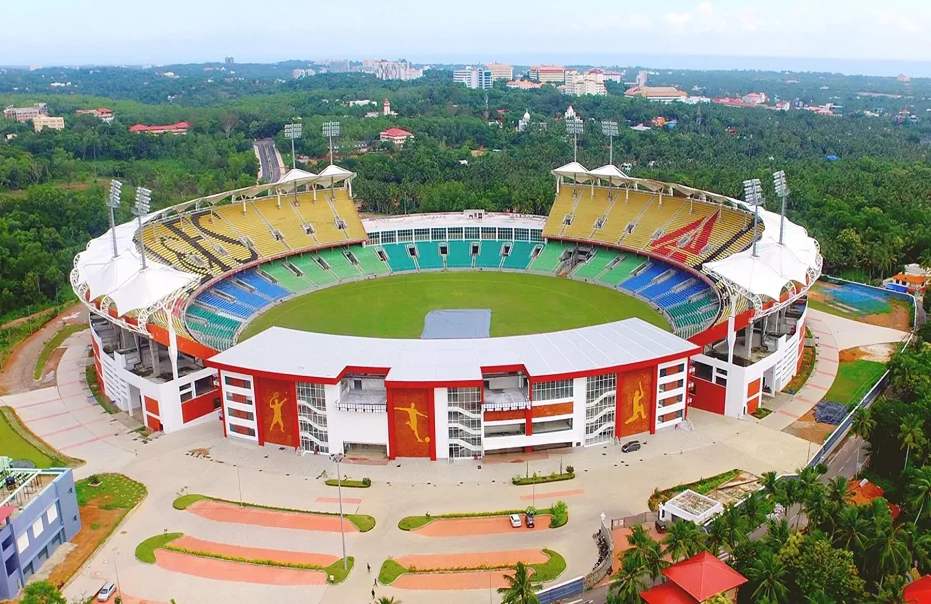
224 570
480 579
569 493
473 559
230 512
254 553
481 525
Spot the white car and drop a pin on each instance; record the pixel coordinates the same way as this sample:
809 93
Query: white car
515 520
106 592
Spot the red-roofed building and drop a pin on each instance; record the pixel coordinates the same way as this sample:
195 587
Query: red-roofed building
176 128
398 136
863 492
918 592
695 580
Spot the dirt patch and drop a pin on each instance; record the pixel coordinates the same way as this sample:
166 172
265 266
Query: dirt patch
481 525
898 318
221 511
881 353
16 375
807 428
96 525
224 570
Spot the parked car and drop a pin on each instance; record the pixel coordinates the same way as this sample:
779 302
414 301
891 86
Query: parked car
106 592
530 522
630 446
515 520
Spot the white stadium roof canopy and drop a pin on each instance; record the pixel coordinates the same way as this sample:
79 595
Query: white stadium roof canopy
325 356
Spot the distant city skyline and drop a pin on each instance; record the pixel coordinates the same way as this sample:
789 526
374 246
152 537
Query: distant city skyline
851 37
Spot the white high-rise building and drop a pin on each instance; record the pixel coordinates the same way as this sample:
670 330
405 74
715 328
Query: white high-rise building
391 70
476 78
500 71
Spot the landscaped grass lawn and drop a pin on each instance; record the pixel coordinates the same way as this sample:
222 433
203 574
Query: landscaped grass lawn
396 306
18 442
854 379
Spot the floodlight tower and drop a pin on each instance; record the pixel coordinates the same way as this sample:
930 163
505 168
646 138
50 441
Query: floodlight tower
609 129
143 200
293 131
113 202
574 126
753 195
782 191
331 131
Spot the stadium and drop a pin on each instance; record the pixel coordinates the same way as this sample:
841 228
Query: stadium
283 316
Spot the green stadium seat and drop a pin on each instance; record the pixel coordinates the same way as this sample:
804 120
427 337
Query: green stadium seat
428 255
622 270
399 259
489 254
369 260
595 265
547 261
312 270
519 257
459 254
339 263
285 277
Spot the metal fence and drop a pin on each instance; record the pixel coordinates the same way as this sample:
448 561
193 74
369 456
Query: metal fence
602 568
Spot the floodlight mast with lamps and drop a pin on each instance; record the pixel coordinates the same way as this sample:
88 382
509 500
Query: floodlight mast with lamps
113 202
782 191
293 131
753 194
609 129
574 127
331 131
143 201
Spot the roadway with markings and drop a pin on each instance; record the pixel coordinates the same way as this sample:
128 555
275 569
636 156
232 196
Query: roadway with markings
270 169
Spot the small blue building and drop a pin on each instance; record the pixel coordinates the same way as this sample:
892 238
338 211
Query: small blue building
38 512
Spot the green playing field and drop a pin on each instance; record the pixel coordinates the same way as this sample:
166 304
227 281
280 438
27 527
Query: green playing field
396 306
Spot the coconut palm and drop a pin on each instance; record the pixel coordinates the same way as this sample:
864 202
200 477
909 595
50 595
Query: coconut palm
838 492
770 483
863 423
890 592
777 533
850 529
646 553
628 585
767 576
918 491
911 435
889 553
683 540
520 589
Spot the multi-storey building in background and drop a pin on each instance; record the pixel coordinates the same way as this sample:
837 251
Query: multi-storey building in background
476 78
548 74
500 71
391 70
24 114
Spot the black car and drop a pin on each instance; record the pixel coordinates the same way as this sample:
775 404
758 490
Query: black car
630 446
529 516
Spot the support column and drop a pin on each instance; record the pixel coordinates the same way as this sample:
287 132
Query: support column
153 355
748 339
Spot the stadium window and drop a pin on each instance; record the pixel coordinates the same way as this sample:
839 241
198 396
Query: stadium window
374 238
472 233
454 233
703 371
237 382
244 430
522 234
438 234
504 233
444 249
421 234
405 236
536 234
556 389
357 384
474 249
389 237
489 233
679 368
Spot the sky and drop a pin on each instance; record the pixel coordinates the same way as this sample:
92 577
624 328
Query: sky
861 36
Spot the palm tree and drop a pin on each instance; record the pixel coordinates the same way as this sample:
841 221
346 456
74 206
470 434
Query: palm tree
767 577
838 492
769 481
863 423
889 553
520 587
918 491
850 529
777 533
628 585
911 434
683 540
645 552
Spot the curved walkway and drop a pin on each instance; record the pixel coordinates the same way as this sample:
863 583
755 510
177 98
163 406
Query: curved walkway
254 553
241 572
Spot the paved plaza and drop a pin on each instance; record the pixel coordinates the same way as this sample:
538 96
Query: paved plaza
200 460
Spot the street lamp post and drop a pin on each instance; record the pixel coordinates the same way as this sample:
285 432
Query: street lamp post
753 195
113 202
337 458
143 201
782 191
574 126
293 131
609 129
116 571
331 131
